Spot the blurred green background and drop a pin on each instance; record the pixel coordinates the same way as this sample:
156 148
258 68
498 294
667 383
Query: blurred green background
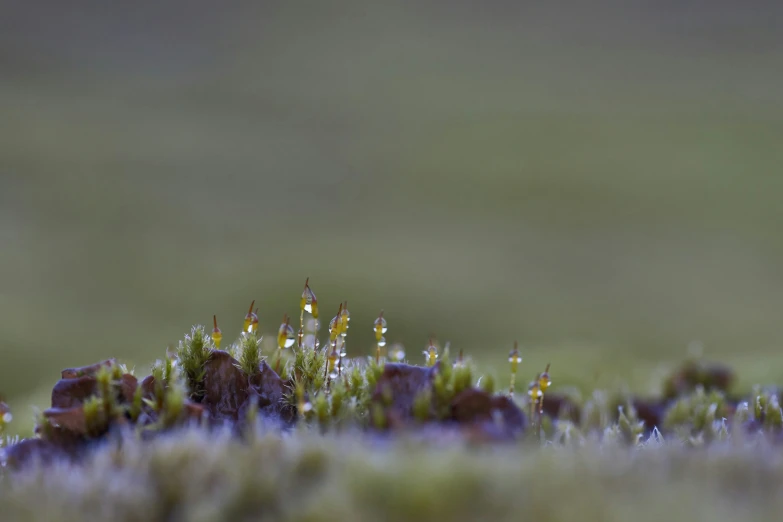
601 182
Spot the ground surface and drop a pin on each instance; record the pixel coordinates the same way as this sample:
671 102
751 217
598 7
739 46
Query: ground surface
311 478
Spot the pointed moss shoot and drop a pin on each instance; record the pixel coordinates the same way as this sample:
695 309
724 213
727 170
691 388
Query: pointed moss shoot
462 377
249 355
487 383
321 409
135 407
443 386
173 407
422 404
96 421
631 428
107 381
773 416
193 353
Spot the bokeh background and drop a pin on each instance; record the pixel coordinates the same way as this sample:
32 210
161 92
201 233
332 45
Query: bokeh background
600 182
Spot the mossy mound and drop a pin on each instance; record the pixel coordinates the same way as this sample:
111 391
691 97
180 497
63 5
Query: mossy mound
238 389
209 388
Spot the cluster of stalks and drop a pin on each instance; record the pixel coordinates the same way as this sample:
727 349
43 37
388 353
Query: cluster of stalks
535 390
333 366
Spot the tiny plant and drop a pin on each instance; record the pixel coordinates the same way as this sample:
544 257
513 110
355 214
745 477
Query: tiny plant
534 393
249 355
513 359
431 354
318 386
285 339
192 354
249 318
379 326
308 303
217 335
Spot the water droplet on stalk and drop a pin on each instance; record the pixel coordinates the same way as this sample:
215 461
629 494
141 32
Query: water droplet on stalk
217 335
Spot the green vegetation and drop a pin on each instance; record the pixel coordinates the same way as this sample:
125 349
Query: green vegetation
318 384
191 476
215 435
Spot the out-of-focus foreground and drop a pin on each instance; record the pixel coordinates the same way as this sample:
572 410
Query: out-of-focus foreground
195 477
599 183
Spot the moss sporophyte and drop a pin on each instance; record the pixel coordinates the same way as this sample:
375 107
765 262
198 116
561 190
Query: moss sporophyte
315 384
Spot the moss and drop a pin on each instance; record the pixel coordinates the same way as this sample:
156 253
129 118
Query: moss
488 383
441 403
192 354
359 393
248 353
97 422
698 417
191 475
422 406
630 426
595 412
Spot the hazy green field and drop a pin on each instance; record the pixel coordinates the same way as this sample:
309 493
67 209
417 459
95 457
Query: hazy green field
602 185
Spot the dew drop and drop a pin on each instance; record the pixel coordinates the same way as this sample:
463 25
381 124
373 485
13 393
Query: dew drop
431 354
309 302
285 336
254 322
248 318
379 326
217 335
345 317
397 353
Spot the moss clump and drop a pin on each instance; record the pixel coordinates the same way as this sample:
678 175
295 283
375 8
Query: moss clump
192 354
248 353
316 384
698 417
